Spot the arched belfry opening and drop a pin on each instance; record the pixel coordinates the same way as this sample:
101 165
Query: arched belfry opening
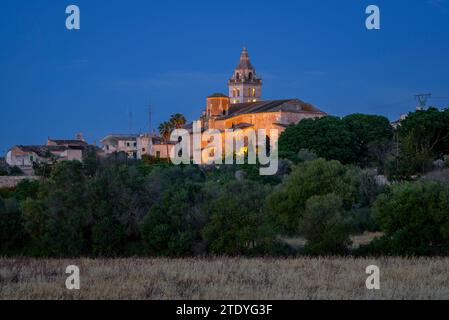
245 86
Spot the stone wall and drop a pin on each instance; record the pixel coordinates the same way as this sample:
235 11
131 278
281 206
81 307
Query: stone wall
12 182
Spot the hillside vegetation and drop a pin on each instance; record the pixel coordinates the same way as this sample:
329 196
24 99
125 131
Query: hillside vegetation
337 178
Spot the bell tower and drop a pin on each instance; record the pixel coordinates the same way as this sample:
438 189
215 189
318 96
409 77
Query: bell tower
244 86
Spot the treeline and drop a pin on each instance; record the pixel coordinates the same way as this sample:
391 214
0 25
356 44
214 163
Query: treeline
420 142
326 190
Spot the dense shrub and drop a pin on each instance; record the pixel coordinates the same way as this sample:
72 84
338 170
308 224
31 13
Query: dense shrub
313 178
3 172
26 189
414 218
238 221
172 226
361 220
15 171
57 219
12 235
324 226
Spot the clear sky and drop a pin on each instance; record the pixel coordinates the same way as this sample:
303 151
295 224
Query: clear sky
172 54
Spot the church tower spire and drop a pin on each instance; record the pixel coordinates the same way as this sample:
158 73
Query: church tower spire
245 85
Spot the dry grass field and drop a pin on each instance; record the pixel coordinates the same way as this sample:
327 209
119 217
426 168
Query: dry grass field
225 278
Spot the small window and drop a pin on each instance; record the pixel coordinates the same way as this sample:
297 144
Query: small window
143 150
254 92
249 92
250 76
158 154
237 76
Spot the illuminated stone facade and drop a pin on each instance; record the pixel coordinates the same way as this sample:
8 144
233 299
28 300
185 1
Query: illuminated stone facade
244 108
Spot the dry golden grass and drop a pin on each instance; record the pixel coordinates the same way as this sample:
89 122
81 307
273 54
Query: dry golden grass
225 278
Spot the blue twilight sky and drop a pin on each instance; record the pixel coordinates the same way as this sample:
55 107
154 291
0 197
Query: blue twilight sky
172 54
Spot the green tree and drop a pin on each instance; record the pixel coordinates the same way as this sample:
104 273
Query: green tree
57 219
26 189
324 226
374 136
15 171
90 160
178 121
328 137
238 222
171 228
317 178
165 130
423 137
414 218
12 235
117 200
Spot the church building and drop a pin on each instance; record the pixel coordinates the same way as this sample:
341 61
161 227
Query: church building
243 107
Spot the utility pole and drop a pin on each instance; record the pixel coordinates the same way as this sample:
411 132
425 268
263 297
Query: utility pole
422 100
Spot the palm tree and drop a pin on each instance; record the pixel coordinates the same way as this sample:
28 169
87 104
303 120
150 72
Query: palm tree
178 121
165 130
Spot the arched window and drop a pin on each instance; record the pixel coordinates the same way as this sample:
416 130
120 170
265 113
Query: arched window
250 76
237 76
238 92
249 92
233 92
254 92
